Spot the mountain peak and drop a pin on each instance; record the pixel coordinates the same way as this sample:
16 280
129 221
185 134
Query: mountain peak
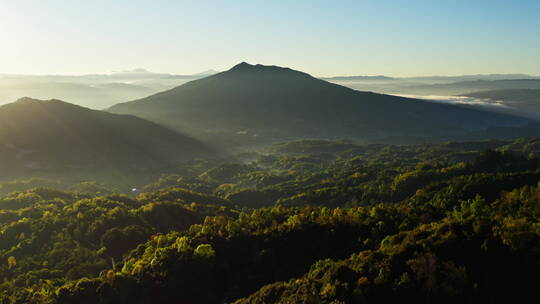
34 101
242 66
27 100
246 67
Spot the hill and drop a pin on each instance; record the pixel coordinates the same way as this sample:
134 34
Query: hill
53 137
258 104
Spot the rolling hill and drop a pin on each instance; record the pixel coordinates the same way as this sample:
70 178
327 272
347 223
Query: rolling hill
260 104
44 138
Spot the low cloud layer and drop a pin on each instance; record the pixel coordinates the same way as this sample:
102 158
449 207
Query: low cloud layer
464 100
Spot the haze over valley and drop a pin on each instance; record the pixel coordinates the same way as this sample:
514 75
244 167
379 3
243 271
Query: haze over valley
96 91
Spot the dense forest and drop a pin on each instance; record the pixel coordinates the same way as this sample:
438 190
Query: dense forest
298 222
269 152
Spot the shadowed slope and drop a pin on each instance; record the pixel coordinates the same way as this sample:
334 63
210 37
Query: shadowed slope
51 136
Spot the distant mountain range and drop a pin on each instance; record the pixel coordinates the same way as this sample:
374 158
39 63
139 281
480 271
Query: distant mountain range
45 138
441 79
464 87
100 91
96 91
439 85
435 79
258 104
244 107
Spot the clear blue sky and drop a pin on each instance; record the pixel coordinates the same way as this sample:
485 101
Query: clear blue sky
324 38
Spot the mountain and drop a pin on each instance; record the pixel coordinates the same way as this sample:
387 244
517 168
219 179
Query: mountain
257 103
44 138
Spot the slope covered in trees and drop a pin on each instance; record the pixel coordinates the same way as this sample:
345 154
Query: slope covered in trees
251 104
339 223
54 138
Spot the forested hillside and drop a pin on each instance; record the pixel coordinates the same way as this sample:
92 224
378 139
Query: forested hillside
55 139
299 222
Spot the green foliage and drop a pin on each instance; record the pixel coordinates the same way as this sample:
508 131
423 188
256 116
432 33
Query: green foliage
204 251
344 224
50 237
